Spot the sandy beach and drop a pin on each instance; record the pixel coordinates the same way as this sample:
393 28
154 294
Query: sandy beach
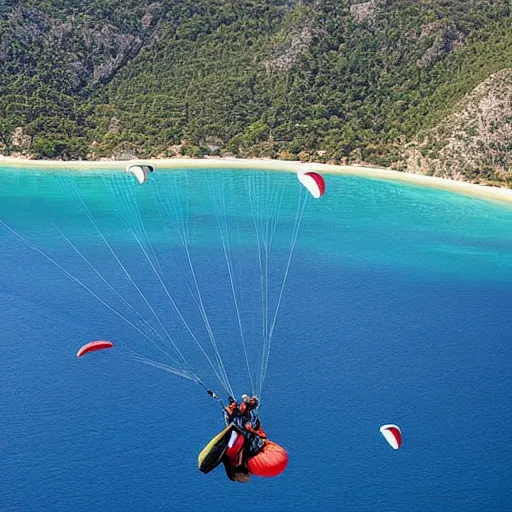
460 187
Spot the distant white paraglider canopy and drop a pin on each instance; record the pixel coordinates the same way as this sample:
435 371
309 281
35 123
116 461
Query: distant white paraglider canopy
140 171
393 435
314 182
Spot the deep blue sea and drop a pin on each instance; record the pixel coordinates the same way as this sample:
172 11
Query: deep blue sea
396 309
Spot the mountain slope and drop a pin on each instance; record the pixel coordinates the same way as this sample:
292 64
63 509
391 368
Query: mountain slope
326 80
475 141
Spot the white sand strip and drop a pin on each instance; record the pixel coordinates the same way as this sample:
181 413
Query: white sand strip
461 187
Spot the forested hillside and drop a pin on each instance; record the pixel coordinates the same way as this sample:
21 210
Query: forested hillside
398 83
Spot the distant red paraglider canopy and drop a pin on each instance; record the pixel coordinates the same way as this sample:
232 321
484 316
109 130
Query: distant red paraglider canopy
93 346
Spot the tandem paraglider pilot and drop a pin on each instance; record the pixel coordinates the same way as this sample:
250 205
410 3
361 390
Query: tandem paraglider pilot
242 447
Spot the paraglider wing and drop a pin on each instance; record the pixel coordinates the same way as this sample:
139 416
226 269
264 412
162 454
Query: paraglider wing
93 346
140 172
211 455
314 182
393 435
271 461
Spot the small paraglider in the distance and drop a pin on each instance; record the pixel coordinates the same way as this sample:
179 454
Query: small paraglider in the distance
93 346
314 182
393 435
140 171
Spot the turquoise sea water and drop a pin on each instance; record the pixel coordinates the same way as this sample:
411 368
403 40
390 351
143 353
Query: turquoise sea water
396 309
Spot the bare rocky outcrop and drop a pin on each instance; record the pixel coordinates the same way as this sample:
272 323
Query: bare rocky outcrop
20 139
285 54
151 15
475 142
114 125
364 11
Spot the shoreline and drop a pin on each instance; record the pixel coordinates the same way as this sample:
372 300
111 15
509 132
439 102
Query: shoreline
461 187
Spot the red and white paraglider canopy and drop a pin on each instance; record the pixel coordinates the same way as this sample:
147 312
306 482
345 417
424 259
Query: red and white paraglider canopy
392 434
93 346
314 182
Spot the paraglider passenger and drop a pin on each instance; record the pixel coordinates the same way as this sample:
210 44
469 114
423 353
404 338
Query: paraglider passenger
244 415
231 412
251 419
244 405
248 407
